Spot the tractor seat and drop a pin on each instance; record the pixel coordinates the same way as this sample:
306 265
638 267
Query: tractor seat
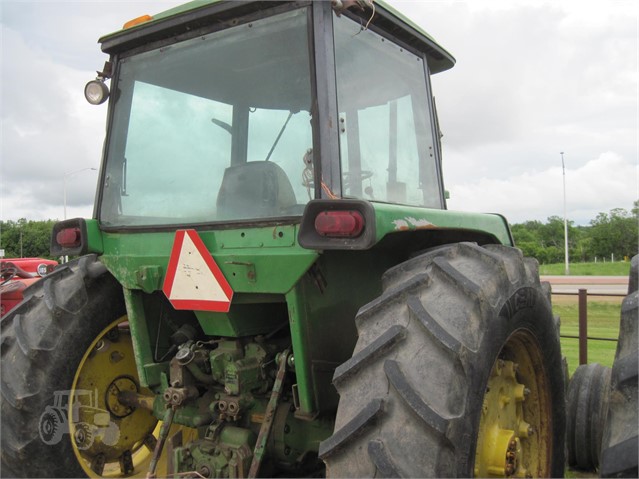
256 189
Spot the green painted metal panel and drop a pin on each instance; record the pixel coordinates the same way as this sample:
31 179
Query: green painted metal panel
391 218
139 335
322 310
259 316
94 237
298 321
253 260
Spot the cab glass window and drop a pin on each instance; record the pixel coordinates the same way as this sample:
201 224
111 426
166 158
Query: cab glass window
214 128
386 136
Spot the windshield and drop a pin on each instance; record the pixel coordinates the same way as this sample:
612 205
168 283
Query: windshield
213 128
386 135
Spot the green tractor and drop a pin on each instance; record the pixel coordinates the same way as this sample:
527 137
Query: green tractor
271 284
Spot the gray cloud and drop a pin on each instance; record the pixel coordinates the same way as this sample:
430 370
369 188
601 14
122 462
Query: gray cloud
532 79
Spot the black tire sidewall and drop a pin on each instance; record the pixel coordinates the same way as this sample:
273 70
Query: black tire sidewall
53 301
64 369
415 407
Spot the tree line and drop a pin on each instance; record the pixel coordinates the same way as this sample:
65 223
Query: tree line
26 239
610 235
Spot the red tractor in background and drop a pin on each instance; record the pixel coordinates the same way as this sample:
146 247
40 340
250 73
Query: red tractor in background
18 273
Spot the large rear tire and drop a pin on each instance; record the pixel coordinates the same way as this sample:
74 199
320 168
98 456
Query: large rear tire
68 339
620 445
457 372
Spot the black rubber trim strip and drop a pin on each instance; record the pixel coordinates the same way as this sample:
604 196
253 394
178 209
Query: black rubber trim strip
351 428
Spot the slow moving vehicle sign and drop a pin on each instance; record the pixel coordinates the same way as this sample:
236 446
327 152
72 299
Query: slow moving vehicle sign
193 279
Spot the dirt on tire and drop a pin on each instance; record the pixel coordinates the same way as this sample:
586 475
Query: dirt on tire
587 405
43 341
411 396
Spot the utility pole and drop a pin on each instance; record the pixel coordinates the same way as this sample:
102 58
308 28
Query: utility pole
567 268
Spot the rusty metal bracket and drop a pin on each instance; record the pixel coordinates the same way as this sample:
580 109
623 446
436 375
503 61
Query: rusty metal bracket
164 432
269 415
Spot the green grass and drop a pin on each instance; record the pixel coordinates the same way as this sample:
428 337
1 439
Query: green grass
619 268
569 473
603 322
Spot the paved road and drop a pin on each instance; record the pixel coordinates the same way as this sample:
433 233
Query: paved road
594 284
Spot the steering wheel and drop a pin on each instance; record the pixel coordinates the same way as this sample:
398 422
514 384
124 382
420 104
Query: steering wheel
307 174
363 175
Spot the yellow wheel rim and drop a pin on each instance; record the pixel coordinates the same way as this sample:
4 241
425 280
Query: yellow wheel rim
110 439
515 437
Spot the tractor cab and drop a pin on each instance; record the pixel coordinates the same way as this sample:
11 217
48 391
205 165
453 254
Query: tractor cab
272 274
250 118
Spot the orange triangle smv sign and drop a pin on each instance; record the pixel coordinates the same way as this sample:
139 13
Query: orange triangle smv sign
193 278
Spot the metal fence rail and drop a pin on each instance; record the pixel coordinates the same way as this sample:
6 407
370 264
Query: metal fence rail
583 322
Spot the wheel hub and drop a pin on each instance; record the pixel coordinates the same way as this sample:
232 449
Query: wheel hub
500 452
118 385
106 433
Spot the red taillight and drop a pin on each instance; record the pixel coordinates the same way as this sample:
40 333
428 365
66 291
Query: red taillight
339 224
69 237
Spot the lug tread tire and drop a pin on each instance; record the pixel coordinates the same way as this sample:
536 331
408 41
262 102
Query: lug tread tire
364 419
43 341
431 383
384 342
413 400
586 407
384 463
620 453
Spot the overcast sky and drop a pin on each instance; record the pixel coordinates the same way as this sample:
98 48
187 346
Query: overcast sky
533 78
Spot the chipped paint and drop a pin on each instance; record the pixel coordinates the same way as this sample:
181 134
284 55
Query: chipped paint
401 225
410 223
419 223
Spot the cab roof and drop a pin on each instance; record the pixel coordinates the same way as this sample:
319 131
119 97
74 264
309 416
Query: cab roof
201 14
